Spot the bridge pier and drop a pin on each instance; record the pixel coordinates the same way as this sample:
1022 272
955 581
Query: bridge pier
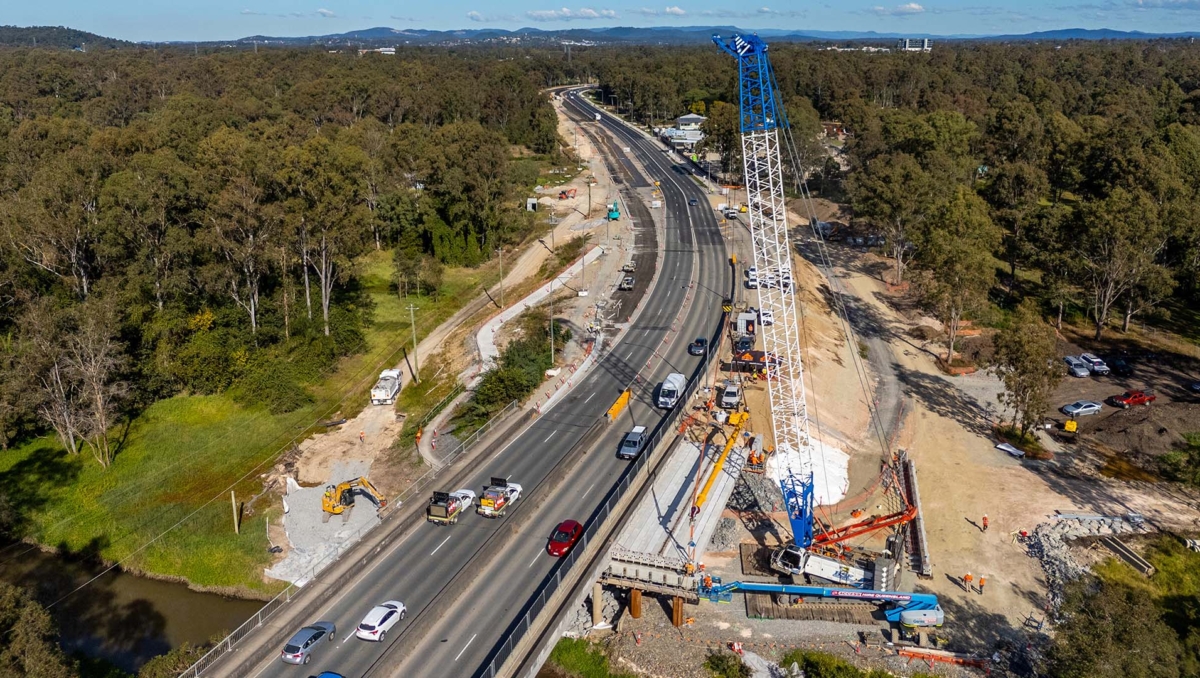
597 604
677 612
635 603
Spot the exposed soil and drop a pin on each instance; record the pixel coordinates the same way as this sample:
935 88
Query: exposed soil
1148 431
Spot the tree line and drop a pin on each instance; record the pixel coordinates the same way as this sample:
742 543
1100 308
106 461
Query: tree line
1079 163
176 223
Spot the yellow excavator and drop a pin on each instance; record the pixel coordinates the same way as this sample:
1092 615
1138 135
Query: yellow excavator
339 499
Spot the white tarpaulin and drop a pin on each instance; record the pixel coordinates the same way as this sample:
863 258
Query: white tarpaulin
830 468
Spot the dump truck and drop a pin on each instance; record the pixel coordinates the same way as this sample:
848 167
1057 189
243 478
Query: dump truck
385 390
670 390
338 500
497 497
445 507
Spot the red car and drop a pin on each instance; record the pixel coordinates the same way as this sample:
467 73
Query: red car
1130 398
564 537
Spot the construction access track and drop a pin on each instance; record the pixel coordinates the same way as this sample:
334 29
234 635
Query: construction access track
464 585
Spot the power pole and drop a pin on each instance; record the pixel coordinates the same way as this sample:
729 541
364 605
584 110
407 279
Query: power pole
413 321
500 251
552 323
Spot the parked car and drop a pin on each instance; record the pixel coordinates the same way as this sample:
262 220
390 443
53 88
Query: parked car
1076 367
1120 366
564 538
1130 398
299 649
743 344
1095 364
380 619
698 347
1082 408
626 284
731 395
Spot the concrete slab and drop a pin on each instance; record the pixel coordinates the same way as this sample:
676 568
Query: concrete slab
661 524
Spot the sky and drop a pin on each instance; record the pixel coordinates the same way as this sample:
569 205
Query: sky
229 19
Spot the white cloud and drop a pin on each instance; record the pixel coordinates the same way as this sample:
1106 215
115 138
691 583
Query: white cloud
645 11
475 16
751 14
675 11
906 9
566 14
328 14
1167 4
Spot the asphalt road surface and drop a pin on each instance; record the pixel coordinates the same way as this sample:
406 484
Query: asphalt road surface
415 569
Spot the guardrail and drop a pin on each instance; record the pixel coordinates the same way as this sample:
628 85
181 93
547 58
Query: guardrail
418 486
517 630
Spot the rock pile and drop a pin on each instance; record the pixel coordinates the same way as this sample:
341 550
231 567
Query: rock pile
1049 543
580 619
754 492
724 536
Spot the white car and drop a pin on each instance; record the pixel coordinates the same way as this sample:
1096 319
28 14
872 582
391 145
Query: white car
1081 408
766 317
380 619
1095 364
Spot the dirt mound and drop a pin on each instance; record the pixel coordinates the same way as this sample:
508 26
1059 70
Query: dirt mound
1150 430
825 209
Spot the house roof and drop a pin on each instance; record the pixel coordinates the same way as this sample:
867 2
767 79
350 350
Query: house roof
691 117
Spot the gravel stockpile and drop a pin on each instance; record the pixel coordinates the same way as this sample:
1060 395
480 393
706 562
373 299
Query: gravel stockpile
754 492
724 536
315 544
1050 544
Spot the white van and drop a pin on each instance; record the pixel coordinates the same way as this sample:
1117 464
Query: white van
670 390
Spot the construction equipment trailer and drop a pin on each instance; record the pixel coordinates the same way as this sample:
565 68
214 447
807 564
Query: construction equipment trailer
497 497
445 507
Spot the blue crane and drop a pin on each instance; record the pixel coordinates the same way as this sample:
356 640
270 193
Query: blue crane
911 609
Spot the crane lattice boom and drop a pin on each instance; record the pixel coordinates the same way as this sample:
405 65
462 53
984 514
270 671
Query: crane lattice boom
761 116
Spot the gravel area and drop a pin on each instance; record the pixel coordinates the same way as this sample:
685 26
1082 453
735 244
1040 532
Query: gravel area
725 536
315 544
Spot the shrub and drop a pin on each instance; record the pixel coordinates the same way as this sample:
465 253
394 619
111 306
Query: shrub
726 665
273 384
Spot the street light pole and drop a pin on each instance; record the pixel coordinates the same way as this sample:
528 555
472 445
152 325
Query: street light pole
552 323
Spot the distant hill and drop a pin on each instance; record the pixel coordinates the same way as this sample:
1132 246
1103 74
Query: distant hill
57 37
672 35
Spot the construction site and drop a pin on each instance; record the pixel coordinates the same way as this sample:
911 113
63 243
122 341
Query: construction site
787 511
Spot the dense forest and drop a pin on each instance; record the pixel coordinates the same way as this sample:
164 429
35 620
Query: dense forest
175 223
1080 161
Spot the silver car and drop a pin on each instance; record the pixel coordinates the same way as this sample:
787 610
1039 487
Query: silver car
1082 408
1095 364
299 649
1076 367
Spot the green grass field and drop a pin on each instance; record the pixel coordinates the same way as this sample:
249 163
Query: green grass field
180 456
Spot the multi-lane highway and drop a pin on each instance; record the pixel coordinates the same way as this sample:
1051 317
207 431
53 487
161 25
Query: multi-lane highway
416 568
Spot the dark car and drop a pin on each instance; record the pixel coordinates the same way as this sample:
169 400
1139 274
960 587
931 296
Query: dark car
693 202
1120 367
299 649
698 347
743 344
564 537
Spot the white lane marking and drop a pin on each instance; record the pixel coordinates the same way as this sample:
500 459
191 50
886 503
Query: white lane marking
589 398
550 436
460 652
348 637
585 492
630 356
441 544
535 559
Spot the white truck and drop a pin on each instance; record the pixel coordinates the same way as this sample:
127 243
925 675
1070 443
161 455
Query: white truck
670 390
445 507
385 390
497 497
